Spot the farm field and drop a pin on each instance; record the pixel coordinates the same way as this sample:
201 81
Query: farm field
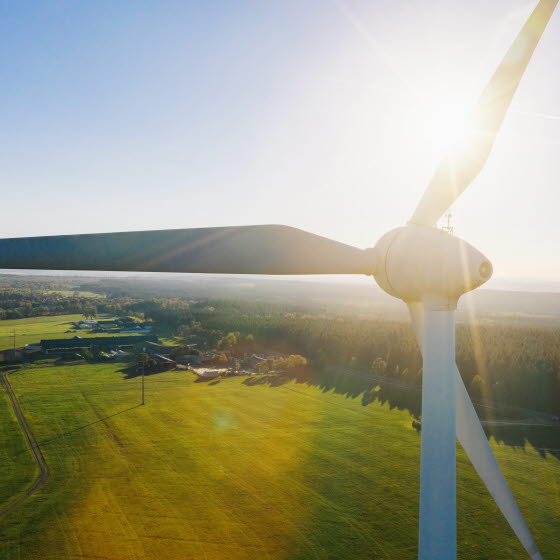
33 329
243 468
17 469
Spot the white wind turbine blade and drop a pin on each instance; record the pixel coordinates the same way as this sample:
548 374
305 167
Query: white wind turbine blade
459 168
476 446
438 524
473 439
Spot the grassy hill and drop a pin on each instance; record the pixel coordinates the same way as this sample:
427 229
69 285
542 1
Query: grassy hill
242 470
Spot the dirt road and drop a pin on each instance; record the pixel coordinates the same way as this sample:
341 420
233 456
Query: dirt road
33 447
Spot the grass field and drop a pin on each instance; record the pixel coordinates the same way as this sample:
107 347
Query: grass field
33 329
230 470
17 468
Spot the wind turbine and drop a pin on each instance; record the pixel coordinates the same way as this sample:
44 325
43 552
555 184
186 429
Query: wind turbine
427 268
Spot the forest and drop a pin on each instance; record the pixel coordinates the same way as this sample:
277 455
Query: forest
20 303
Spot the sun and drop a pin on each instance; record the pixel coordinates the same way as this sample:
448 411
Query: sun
446 125
450 126
440 118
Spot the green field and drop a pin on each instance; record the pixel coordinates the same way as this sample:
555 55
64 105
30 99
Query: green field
17 468
33 329
228 470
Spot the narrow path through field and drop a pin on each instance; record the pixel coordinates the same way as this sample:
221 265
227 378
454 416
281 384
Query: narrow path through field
33 447
519 423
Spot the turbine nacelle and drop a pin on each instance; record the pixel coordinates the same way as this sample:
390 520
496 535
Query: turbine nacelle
419 263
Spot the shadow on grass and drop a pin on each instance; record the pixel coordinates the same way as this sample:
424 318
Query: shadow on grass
79 428
200 379
401 395
273 380
131 372
545 440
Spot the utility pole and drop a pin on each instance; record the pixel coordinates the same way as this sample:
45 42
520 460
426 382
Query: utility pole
142 382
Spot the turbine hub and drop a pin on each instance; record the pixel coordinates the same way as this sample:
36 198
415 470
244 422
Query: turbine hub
419 263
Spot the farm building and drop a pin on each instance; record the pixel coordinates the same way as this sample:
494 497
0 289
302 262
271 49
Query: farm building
163 362
107 325
11 355
189 359
137 328
155 348
122 324
75 344
88 324
127 320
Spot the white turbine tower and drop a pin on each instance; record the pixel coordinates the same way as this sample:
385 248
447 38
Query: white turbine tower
425 267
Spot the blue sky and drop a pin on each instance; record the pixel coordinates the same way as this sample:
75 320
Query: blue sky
324 115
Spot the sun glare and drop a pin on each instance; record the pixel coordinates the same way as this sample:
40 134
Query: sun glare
445 126
449 127
441 120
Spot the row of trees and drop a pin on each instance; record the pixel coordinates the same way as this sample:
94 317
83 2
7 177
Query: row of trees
292 364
